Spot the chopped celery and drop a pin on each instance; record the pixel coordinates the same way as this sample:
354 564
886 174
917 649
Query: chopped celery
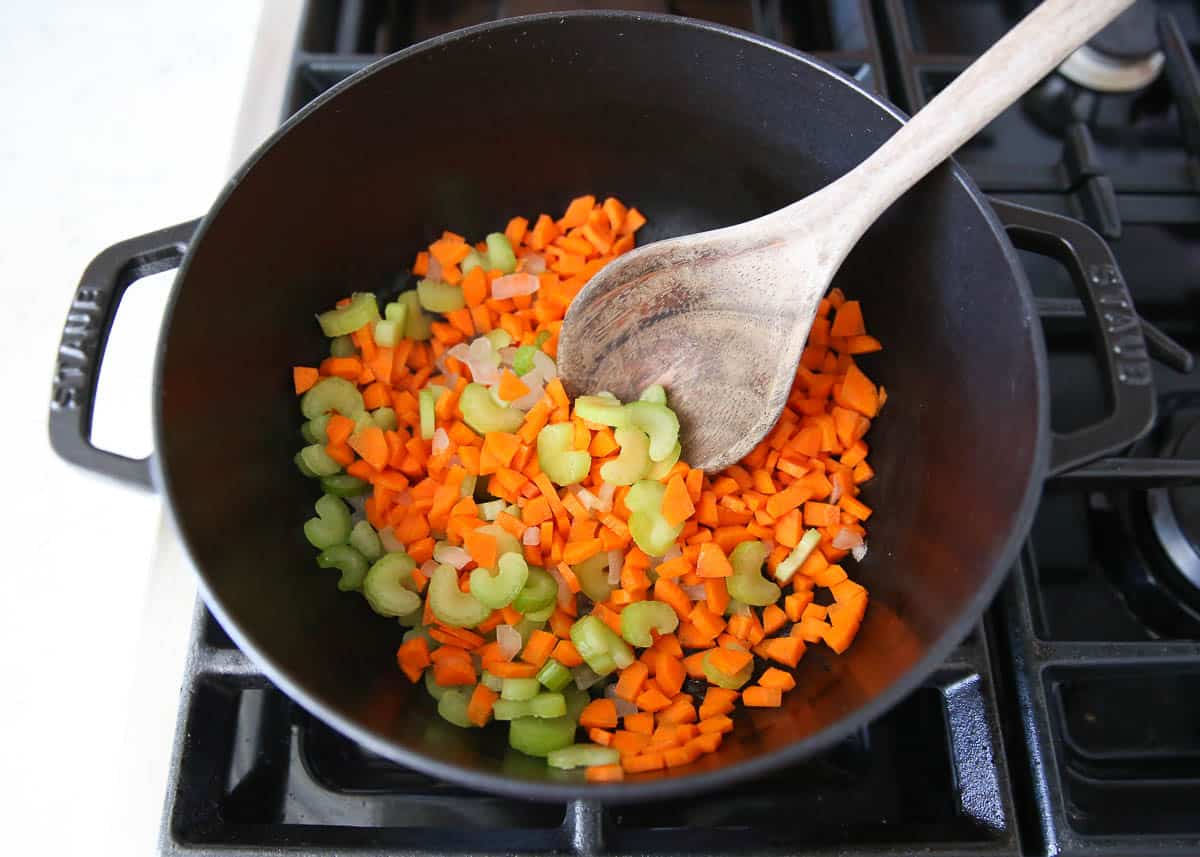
807 544
388 333
332 524
484 415
659 469
605 410
440 297
600 648
729 682
426 401
647 525
385 418
510 709
491 682
577 700
654 393
747 583
523 360
541 339
534 736
499 589
582 756
342 346
540 591
634 460
593 577
409 620
331 394
304 468
491 510
435 689
397 311
527 626
520 689
557 457
474 259
388 586
314 430
548 704
347 560
416 321
506 542
453 708
450 604
500 253
659 422
639 617
540 705
365 540
362 309
499 338
344 485
553 675
543 614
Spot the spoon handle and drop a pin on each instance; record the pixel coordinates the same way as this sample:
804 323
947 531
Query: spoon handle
1027 53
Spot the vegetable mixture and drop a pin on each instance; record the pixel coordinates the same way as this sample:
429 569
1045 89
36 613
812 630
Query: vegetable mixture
560 567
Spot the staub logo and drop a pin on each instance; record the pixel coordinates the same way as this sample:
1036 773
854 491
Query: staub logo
1125 331
77 349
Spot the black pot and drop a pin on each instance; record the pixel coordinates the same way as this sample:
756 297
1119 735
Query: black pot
699 126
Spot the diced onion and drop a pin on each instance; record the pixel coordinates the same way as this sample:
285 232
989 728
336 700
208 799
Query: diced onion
358 504
606 497
508 641
565 595
483 361
615 560
391 544
624 706
434 271
859 552
532 537
584 677
587 498
836 493
512 285
429 567
738 608
507 355
441 441
846 539
533 381
545 364
695 591
451 555
534 263
673 552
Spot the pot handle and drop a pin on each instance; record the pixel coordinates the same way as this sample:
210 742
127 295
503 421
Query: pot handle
1115 323
85 336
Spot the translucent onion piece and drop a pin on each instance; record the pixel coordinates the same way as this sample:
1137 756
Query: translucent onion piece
451 555
616 559
836 493
584 677
695 591
673 552
507 355
859 552
624 706
846 539
545 364
534 263
737 608
606 497
508 640
532 537
565 595
441 441
588 499
429 567
434 271
512 285
390 543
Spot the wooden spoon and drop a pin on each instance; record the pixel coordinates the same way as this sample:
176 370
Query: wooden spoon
720 318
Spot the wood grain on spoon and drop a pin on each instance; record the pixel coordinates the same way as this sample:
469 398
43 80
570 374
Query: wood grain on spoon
720 318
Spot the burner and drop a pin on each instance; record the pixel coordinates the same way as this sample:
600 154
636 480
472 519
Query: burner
1123 57
1175 515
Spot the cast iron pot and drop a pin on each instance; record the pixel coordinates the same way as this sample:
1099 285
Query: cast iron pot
699 126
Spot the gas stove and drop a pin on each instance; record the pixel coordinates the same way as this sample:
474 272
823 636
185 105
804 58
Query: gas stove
1068 722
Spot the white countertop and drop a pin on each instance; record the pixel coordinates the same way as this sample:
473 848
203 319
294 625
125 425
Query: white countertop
119 118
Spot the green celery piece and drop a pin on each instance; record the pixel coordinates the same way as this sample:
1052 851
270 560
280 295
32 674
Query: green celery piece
582 756
593 577
540 591
491 682
314 431
647 525
548 705
554 676
577 700
440 297
499 589
474 259
729 682
633 461
510 709
365 540
747 583
304 468
527 626
331 394
385 418
500 253
451 605
499 338
342 346
645 496
331 526
397 311
452 707
484 415
409 620
344 485
545 613
389 587
602 409
416 321
347 560
520 689
654 393
659 469
541 339
639 617
599 647
490 511
807 544
428 422
659 422
388 333
523 360
535 736
362 309
562 464
435 689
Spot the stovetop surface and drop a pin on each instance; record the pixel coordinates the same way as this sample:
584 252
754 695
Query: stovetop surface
1068 722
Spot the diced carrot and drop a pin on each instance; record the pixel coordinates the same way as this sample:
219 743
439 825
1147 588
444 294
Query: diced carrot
600 714
757 696
719 724
479 709
303 378
643 762
677 505
730 661
712 561
482 547
604 774
777 678
630 682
